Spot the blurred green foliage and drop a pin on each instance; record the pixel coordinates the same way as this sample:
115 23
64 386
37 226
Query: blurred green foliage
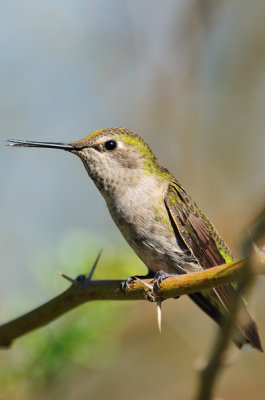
84 338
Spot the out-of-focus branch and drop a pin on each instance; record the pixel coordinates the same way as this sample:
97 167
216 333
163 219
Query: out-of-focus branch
87 290
212 369
254 265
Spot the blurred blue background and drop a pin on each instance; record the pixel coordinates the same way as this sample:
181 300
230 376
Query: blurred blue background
186 75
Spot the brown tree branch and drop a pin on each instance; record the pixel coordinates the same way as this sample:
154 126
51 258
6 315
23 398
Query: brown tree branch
87 290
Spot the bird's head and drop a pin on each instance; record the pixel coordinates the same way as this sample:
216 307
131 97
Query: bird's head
111 156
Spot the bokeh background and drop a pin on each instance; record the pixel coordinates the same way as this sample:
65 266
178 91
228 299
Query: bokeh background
189 76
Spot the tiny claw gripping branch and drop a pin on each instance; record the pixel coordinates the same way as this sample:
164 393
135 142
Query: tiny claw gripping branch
160 276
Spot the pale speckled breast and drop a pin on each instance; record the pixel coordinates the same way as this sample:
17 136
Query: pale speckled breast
140 214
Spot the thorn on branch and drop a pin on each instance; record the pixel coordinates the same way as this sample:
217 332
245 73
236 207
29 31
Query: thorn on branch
73 281
151 296
89 277
147 285
159 316
82 278
148 290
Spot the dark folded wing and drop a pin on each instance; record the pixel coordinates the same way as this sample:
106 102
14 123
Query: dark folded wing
204 243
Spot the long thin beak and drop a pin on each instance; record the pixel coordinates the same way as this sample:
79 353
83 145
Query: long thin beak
51 145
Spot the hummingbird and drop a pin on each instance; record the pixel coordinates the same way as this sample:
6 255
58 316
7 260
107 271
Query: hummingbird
157 217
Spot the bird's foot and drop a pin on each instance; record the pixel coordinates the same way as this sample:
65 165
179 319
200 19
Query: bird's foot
160 276
125 284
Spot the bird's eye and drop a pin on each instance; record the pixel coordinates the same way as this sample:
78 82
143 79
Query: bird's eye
110 145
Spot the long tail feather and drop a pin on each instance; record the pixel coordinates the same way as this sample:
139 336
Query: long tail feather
245 332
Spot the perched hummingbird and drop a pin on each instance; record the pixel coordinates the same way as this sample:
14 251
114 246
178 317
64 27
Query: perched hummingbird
156 216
